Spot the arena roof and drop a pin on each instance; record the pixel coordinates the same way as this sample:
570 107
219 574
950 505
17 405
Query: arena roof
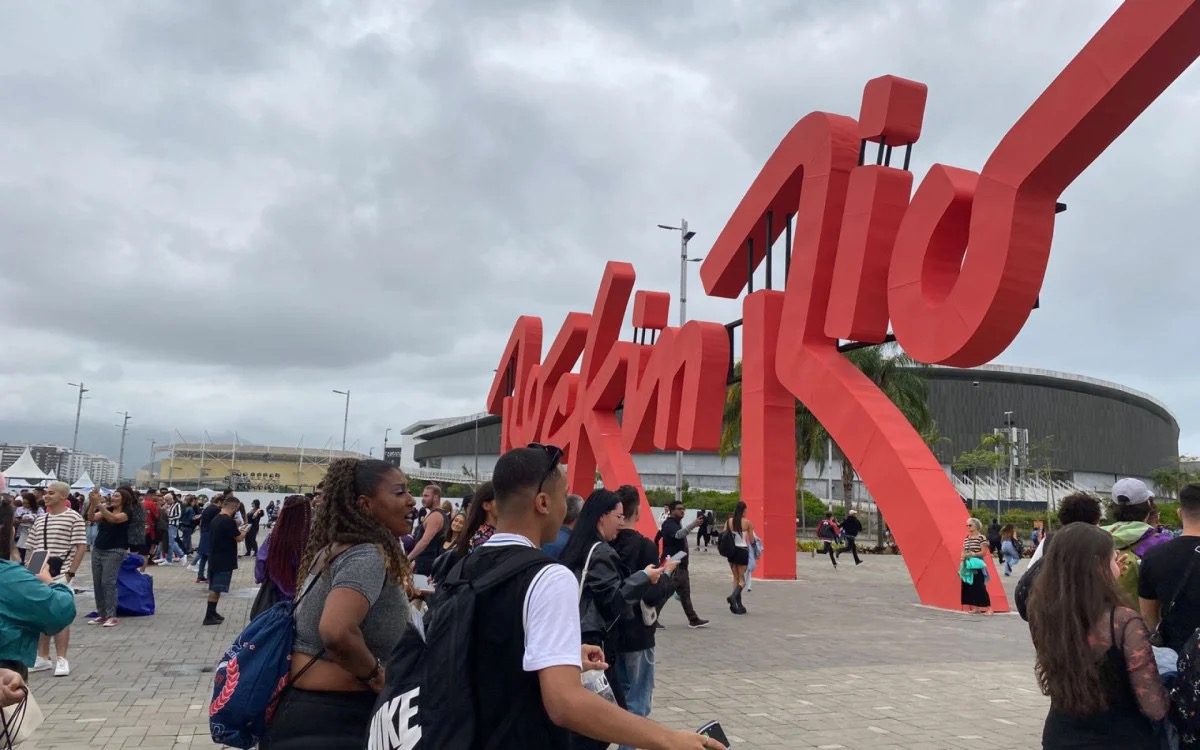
248 451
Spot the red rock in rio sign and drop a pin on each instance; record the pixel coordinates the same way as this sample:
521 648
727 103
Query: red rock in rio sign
956 269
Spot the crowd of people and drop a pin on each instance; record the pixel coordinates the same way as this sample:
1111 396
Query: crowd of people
1113 614
1111 608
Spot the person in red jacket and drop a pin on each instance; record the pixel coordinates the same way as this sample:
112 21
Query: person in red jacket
828 532
150 503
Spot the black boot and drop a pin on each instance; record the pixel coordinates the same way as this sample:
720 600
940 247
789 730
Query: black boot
211 617
732 605
737 599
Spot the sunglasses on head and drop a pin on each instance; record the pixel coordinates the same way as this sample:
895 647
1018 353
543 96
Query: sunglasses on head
554 454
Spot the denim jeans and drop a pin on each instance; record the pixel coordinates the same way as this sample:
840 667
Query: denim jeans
1011 558
173 550
106 563
92 530
635 672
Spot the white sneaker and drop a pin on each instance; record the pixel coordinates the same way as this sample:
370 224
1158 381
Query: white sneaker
62 668
41 665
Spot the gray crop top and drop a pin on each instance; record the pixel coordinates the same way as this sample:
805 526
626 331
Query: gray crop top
360 568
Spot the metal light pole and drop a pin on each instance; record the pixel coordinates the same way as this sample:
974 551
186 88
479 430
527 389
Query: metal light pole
346 418
684 237
476 477
78 409
121 455
1008 449
386 430
153 445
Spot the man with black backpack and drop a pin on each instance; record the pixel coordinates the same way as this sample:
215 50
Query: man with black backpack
1169 580
828 533
501 659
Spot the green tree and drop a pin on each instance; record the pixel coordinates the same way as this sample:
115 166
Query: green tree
1172 478
982 456
897 375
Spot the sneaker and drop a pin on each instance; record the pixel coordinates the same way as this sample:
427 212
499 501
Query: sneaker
61 668
110 622
698 624
201 579
160 561
41 665
211 620
97 620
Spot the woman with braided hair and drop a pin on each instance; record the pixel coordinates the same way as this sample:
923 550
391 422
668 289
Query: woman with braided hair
350 619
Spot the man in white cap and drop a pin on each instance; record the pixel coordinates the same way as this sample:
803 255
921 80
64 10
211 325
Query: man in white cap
1132 503
851 527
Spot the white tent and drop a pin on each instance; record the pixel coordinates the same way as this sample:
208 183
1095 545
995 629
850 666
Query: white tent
52 476
25 472
84 482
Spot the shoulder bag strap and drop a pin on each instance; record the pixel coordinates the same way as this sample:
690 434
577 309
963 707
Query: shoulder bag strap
583 575
1187 576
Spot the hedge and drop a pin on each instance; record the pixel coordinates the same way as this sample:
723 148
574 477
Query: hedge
724 502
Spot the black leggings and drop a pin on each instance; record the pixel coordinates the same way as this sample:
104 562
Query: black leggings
320 720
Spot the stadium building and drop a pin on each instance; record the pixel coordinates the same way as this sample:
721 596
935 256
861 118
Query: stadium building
267 468
1063 432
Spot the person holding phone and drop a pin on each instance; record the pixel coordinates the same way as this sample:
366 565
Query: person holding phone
635 635
30 603
607 587
62 535
108 552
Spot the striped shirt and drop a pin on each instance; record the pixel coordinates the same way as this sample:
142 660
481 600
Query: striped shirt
973 545
58 533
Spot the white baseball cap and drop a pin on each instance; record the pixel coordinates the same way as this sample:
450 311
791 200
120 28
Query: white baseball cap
1131 491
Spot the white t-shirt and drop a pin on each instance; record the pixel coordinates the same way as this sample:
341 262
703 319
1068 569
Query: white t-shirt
551 615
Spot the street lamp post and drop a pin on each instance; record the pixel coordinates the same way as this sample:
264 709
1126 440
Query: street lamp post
78 410
121 455
346 418
684 237
476 477
386 430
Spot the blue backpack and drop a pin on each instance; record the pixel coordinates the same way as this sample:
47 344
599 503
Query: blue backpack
253 673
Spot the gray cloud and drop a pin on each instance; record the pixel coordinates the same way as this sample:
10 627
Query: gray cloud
216 212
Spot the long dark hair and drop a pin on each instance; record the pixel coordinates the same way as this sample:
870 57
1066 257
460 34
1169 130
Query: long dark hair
1074 591
476 515
127 497
340 519
287 541
586 533
6 530
739 510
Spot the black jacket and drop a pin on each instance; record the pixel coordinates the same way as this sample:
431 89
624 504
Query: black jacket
608 592
636 552
851 526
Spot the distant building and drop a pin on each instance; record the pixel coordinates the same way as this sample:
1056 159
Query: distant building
268 468
1072 432
64 464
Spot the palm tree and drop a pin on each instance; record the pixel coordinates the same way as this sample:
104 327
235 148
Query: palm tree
898 376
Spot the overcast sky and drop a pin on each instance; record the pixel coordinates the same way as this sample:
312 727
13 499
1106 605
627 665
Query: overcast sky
214 213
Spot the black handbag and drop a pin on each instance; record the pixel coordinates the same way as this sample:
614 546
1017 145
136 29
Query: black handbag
268 596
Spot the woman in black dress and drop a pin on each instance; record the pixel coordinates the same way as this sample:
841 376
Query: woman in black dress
975 598
254 518
743 536
1093 653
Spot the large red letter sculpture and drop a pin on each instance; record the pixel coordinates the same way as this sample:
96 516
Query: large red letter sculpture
861 249
672 391
957 271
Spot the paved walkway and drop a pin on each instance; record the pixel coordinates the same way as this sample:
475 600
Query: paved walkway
837 659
